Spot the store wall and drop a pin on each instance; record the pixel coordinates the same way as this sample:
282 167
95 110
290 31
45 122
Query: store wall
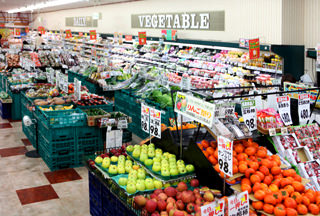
245 18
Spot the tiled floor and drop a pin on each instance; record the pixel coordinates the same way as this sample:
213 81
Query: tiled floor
28 188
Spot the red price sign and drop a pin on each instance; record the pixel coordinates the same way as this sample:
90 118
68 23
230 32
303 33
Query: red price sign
238 204
41 30
93 35
128 37
142 38
213 209
27 29
17 32
68 33
254 48
80 34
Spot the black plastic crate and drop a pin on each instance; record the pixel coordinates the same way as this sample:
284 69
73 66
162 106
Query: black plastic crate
5 110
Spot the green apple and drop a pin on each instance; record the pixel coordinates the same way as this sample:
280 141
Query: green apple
113 169
133 172
131 188
141 170
167 185
190 168
166 154
156 159
158 150
165 172
182 170
148 180
106 159
131 181
123 181
128 162
141 175
157 184
172 160
174 172
144 151
158 154
156 168
132 176
164 162
122 157
105 164
98 160
121 170
128 168
149 185
172 156
163 157
164 166
114 159
136 153
151 145
129 148
140 186
148 162
180 162
151 153
143 157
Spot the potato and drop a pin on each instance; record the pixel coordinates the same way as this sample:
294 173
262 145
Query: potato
41 103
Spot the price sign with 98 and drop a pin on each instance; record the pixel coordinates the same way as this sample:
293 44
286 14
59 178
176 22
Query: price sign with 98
225 157
248 108
155 123
304 108
284 109
145 113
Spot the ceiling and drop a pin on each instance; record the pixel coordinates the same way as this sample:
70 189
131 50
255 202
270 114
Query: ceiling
13 4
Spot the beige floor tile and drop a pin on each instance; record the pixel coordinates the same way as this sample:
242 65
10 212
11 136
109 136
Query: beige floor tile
27 179
76 188
46 208
3 120
76 206
83 172
10 205
21 162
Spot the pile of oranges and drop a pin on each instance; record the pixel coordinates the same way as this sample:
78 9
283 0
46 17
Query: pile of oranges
279 192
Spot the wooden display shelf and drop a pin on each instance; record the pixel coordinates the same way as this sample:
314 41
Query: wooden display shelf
266 131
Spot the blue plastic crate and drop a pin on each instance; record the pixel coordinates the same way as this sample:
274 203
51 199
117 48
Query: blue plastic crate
95 210
5 110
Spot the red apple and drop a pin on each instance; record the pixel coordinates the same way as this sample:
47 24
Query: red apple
170 191
161 205
208 196
140 201
162 196
171 199
190 208
158 191
180 205
151 206
182 186
194 182
170 206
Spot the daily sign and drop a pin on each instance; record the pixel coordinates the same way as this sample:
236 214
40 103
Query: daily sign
284 109
248 108
208 20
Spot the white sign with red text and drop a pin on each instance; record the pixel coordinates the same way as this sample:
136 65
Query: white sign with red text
284 109
304 108
225 157
155 123
239 204
213 209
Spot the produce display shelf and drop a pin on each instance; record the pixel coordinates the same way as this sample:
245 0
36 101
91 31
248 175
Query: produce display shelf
164 181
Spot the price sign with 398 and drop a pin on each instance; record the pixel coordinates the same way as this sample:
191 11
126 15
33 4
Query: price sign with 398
284 109
225 155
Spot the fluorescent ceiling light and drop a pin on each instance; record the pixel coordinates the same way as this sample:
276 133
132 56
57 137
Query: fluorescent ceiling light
45 5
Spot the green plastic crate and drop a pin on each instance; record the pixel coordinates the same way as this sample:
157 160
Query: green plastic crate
16 105
72 75
106 107
30 133
87 132
62 118
92 87
56 148
56 134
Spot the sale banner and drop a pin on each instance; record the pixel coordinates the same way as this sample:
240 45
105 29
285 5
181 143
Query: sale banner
195 108
128 37
213 209
93 35
254 48
142 38
68 33
17 32
238 204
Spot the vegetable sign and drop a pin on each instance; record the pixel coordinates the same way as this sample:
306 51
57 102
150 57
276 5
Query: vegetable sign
238 204
225 158
213 209
195 108
68 33
248 108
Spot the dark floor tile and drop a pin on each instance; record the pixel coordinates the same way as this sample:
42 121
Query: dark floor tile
10 120
7 152
36 194
5 125
62 176
26 142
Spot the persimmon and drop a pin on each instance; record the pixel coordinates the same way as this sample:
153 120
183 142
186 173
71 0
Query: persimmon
239 148
258 205
215 154
254 178
264 170
290 202
242 157
242 168
246 181
297 177
284 182
317 200
250 151
205 143
205 153
235 161
298 186
273 187
268 208
297 197
248 172
200 146
216 168
278 211
259 194
277 159
267 180
256 186
254 165
213 144
262 153
260 174
313 209
276 182
264 187
275 170
246 187
289 188
291 212
213 160
277 196
305 200
280 205
310 196
270 199
243 162
302 209
267 163
284 193
289 172
210 150
280 176
235 169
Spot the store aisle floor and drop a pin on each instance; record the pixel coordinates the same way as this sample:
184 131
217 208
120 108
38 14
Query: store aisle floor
28 188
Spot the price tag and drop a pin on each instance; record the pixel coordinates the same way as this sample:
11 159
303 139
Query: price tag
304 108
248 108
145 117
155 123
272 132
225 157
225 109
52 77
185 83
213 209
77 88
122 124
284 109
238 204
284 130
57 79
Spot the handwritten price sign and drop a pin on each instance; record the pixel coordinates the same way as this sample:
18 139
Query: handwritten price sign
225 151
213 209
284 109
239 204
